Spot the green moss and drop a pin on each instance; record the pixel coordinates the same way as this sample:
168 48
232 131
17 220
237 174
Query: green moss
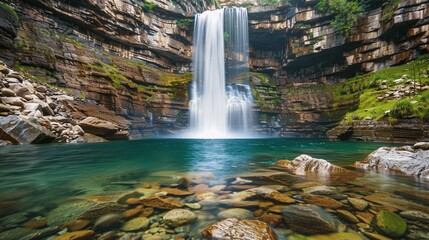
390 224
10 10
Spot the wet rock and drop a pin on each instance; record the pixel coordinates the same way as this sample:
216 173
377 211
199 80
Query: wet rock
415 215
98 127
179 217
107 221
305 164
359 204
19 130
193 205
348 216
136 224
390 224
400 160
321 201
376 236
78 235
162 203
239 213
421 145
233 228
111 235
309 219
77 225
365 217
319 190
176 192
132 212
123 199
396 203
299 186
35 223
271 219
266 193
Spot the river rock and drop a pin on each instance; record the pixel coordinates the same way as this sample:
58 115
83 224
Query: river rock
162 203
309 219
179 217
348 216
77 225
306 164
98 127
22 131
35 223
359 204
319 190
136 224
233 228
14 101
107 221
267 193
390 224
6 92
78 235
397 203
415 215
421 145
322 201
400 160
176 192
239 213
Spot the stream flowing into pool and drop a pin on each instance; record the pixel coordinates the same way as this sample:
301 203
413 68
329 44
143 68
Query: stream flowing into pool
38 178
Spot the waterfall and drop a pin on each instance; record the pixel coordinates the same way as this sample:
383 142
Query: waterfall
221 100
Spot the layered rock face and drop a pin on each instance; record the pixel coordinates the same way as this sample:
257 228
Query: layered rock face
113 52
307 59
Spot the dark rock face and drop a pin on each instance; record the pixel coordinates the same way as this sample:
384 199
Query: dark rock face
22 131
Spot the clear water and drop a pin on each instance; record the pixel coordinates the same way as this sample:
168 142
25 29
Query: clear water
39 175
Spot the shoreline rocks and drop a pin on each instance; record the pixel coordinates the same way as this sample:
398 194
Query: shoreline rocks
305 164
406 160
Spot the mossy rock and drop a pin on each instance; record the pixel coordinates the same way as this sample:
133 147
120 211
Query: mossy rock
390 224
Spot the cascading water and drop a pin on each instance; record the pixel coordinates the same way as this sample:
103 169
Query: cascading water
221 101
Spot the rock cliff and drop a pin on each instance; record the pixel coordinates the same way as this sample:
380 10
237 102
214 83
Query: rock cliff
132 56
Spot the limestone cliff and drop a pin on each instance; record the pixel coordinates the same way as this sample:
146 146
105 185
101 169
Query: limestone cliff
132 55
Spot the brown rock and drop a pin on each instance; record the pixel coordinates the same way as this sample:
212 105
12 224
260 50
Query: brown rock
131 213
176 192
299 186
77 225
376 236
348 216
233 228
365 217
272 219
322 201
359 204
147 212
401 204
35 223
162 203
98 127
276 209
132 201
78 235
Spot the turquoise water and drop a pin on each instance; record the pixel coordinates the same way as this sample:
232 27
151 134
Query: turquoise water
60 170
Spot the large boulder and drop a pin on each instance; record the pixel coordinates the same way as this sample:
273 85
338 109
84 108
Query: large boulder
233 228
22 131
98 127
306 164
402 160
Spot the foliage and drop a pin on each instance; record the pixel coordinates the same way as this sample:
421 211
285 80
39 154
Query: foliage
347 13
226 36
389 10
185 23
10 10
149 5
402 109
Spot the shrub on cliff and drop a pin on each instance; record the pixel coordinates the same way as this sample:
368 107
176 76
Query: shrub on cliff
347 13
402 109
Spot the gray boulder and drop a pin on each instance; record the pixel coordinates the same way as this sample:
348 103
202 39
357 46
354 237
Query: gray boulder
22 131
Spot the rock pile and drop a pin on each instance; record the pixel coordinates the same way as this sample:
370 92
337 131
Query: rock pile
33 112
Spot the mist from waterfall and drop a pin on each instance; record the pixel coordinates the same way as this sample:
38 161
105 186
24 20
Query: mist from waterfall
221 98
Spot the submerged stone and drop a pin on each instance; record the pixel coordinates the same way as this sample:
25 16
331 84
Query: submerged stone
78 235
390 224
309 219
136 224
233 228
239 213
179 217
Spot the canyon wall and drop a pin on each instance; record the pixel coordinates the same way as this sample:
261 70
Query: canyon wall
133 56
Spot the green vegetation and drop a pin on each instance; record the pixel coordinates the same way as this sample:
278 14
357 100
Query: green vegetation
389 10
347 13
273 2
185 23
10 10
149 5
370 91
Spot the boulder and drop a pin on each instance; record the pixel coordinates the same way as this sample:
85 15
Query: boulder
98 127
306 164
22 131
309 219
390 224
233 228
400 160
179 217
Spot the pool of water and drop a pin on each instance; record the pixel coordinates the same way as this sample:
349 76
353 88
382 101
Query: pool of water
40 175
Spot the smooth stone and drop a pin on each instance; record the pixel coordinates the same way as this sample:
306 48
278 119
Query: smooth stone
107 221
162 203
309 219
179 217
348 216
233 228
14 101
397 203
35 223
299 186
239 213
365 217
415 215
268 193
271 219
77 225
193 205
319 190
6 92
359 204
176 192
78 235
304 164
421 145
321 201
123 199
136 224
376 236
390 224
130 213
